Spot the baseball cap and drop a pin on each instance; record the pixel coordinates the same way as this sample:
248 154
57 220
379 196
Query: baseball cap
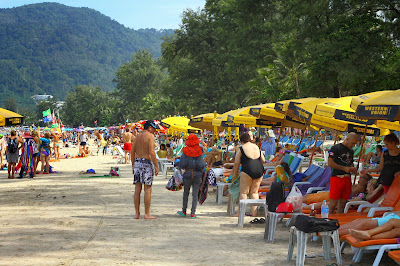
150 123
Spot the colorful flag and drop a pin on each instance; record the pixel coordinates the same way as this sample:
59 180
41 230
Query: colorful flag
46 113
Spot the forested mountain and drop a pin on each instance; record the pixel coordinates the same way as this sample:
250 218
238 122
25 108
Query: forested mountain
51 48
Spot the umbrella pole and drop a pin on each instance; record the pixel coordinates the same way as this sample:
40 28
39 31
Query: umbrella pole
313 149
359 157
279 137
301 138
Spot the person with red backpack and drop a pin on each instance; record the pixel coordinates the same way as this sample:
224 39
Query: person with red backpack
192 162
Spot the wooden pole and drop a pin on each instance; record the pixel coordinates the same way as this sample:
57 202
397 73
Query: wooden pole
359 156
301 138
280 133
315 145
336 137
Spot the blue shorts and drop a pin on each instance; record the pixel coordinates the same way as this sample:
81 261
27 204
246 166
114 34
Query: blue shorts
386 219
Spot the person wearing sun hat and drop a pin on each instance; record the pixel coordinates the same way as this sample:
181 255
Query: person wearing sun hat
192 162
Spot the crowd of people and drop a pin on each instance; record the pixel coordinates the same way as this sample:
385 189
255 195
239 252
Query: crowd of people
244 161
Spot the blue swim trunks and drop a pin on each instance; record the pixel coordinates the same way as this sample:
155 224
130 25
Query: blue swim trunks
385 219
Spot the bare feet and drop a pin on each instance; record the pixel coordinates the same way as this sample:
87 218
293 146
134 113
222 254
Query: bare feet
359 235
149 217
137 216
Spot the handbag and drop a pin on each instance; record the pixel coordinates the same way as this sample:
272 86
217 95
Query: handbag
309 224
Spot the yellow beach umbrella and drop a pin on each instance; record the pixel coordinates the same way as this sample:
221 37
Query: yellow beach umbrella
287 106
9 118
179 124
203 121
383 107
357 100
306 112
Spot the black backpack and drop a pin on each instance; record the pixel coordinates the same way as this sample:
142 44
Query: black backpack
12 145
275 196
309 224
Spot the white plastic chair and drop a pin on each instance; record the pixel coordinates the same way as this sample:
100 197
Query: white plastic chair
271 221
302 245
220 191
248 202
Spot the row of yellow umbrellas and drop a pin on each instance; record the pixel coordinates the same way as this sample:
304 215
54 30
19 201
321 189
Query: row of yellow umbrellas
340 114
331 113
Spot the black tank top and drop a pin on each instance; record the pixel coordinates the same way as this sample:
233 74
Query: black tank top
391 165
252 167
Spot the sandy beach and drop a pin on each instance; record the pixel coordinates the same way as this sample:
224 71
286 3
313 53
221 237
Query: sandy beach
63 219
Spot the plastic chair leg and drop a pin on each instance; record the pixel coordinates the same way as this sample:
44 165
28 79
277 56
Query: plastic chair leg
301 247
242 213
336 245
291 244
326 243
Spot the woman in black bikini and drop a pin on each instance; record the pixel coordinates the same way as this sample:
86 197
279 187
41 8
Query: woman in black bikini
251 159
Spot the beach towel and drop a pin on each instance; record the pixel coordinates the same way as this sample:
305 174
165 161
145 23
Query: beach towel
203 191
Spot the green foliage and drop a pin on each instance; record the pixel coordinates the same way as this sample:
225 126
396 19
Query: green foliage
235 52
86 104
50 48
11 104
138 86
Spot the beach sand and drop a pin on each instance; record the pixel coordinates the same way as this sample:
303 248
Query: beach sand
63 219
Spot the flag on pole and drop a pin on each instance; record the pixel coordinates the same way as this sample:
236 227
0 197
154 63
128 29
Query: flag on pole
46 113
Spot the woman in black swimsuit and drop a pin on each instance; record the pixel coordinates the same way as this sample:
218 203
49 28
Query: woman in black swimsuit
251 159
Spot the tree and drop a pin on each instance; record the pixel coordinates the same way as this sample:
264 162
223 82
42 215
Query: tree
11 104
86 104
136 80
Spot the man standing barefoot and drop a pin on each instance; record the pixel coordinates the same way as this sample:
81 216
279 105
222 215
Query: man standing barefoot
144 167
127 139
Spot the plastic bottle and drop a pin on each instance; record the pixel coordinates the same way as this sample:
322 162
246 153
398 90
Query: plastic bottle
312 212
324 210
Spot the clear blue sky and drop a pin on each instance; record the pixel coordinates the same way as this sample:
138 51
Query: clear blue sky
135 14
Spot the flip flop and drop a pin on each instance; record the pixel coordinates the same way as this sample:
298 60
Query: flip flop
255 221
261 221
181 213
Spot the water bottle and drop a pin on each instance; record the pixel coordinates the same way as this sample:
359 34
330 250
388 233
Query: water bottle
324 210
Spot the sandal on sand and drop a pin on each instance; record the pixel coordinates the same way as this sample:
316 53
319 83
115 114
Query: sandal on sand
255 221
181 213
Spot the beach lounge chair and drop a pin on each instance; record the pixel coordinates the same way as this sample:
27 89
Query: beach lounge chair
318 181
390 202
382 245
117 150
395 255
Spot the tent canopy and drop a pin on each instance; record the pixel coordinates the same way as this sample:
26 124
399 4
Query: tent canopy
9 118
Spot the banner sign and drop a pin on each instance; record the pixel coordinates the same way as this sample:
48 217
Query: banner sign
383 112
302 114
360 130
351 117
13 121
196 120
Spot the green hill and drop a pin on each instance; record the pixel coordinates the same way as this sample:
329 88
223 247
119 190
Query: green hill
50 48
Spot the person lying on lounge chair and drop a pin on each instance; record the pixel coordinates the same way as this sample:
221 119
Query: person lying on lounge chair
388 230
366 223
282 173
